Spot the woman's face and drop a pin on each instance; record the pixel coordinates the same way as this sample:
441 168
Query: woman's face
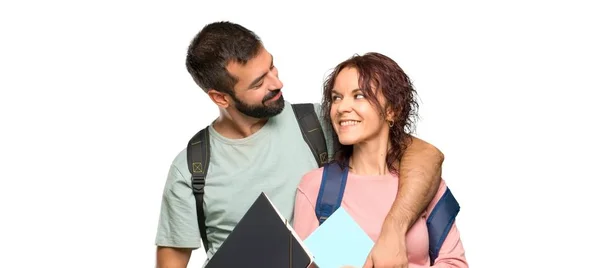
353 117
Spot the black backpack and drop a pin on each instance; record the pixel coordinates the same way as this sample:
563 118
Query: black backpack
198 155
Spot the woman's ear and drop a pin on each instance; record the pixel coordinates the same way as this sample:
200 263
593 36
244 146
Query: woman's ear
390 114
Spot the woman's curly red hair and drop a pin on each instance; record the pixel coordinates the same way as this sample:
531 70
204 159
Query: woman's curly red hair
378 72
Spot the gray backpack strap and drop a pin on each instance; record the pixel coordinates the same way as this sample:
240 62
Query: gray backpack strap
311 131
198 156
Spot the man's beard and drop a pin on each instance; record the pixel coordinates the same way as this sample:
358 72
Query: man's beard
261 111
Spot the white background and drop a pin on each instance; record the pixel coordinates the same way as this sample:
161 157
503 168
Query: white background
96 102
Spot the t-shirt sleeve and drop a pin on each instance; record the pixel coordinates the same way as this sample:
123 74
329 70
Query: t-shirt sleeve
178 225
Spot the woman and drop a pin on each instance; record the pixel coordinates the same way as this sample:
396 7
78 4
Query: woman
370 103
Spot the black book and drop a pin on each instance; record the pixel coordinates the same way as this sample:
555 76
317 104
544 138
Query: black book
262 238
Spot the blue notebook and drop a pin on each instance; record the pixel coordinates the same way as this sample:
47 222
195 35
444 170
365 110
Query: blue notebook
339 242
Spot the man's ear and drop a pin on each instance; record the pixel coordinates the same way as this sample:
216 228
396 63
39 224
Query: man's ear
219 98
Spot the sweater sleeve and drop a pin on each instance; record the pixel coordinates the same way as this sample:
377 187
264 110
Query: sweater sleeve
305 219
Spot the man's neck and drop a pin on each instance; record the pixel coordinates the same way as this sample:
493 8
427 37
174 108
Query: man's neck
369 157
235 125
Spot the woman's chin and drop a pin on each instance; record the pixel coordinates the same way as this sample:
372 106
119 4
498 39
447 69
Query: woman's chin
347 140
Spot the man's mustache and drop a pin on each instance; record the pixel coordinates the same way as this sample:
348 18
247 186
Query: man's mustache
270 95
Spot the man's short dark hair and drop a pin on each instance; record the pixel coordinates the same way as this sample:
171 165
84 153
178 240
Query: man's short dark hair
216 45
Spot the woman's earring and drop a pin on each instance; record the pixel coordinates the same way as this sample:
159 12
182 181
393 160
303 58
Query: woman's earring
391 123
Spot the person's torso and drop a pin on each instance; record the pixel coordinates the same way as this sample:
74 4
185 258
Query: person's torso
272 161
368 199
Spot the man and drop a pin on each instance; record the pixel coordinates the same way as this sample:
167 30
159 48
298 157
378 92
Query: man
257 146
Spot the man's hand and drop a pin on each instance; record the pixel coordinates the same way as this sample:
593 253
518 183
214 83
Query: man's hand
389 250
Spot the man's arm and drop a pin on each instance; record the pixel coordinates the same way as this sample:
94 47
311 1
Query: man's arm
419 178
172 257
177 234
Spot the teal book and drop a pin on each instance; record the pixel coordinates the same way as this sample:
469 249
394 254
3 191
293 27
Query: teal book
339 242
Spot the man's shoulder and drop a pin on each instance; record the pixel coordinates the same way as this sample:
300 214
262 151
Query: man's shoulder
178 170
180 159
315 104
316 107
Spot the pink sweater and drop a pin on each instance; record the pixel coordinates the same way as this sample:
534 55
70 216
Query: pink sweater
368 200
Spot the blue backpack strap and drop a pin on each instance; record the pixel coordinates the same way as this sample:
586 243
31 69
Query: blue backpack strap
333 183
440 221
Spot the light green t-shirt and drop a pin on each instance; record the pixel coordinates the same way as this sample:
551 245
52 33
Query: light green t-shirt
272 160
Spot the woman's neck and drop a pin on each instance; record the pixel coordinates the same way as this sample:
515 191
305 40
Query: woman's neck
369 157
